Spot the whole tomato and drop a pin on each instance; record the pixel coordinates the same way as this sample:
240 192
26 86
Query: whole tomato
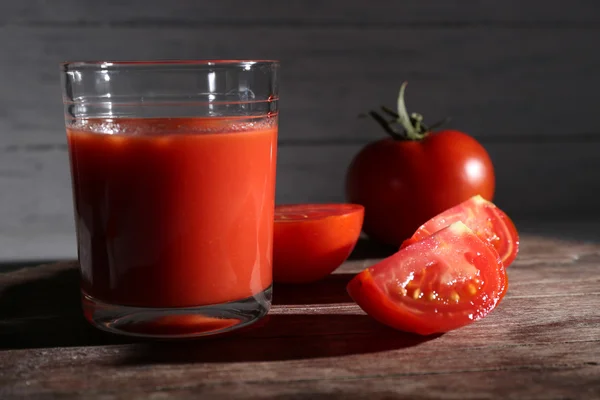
405 180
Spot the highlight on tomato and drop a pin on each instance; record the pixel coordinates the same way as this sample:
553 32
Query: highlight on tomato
443 282
416 173
488 222
310 241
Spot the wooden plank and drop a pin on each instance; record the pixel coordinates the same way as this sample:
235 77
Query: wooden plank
236 13
526 315
497 84
527 348
534 181
116 369
531 383
331 331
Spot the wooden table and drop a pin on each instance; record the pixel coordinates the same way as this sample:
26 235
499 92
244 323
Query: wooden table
543 341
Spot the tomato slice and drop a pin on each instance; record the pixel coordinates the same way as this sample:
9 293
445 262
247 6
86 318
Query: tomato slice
311 240
484 218
448 280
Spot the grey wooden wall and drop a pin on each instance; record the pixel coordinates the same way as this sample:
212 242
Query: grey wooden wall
521 76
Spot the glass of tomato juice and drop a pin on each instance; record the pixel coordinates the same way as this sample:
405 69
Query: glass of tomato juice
173 175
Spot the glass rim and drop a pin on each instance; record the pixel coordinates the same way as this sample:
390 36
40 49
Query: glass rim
100 64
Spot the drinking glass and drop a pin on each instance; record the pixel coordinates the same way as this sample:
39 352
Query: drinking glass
173 175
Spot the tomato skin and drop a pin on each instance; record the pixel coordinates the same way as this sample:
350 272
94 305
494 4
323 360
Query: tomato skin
398 311
489 222
308 249
403 183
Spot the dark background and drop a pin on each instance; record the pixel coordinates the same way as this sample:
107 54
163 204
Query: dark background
523 77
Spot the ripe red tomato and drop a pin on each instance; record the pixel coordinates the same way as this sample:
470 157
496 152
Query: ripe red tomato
482 217
405 180
448 280
311 240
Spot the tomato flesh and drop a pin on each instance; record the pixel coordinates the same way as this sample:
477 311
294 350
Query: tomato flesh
485 219
448 280
311 240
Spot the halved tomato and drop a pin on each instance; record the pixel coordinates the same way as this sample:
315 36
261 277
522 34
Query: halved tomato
484 218
448 280
311 240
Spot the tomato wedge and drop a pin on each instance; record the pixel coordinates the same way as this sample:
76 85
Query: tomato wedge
484 218
311 240
448 280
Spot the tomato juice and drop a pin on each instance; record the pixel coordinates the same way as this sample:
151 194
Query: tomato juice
174 212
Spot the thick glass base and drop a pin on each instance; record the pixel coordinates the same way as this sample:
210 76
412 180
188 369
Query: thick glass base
173 323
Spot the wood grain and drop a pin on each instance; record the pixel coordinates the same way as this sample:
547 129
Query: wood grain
317 343
497 84
328 12
390 370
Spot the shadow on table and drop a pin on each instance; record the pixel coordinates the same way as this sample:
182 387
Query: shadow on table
44 310
291 335
366 248
281 337
329 290
41 307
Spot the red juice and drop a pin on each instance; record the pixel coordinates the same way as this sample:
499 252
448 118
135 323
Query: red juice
174 212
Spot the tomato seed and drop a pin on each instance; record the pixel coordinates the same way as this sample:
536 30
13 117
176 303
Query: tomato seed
454 297
471 289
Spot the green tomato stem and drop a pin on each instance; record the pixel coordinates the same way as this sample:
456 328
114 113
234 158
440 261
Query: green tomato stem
412 124
386 126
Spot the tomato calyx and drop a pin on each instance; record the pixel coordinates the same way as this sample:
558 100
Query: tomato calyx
412 124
